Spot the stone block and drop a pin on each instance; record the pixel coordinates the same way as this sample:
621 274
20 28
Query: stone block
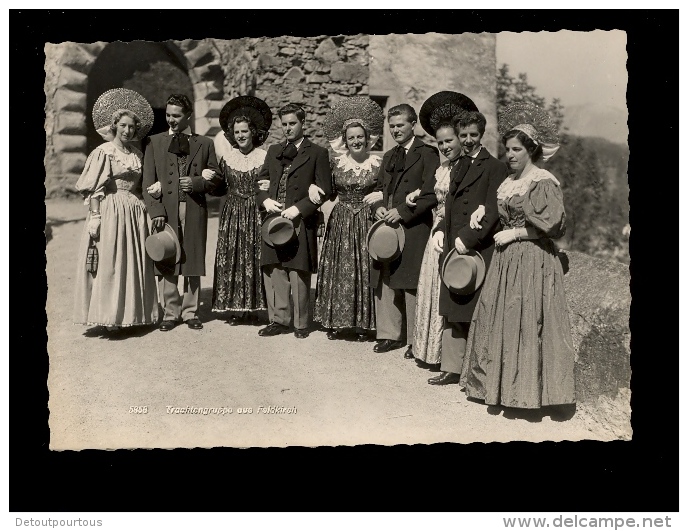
73 162
208 108
79 57
200 55
352 73
267 47
72 79
66 144
326 51
288 51
294 74
266 61
310 66
296 96
70 122
208 90
317 78
69 100
323 68
208 72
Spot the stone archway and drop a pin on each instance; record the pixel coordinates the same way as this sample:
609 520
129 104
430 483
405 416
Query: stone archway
68 67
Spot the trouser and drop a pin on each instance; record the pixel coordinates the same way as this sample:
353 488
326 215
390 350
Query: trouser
174 306
395 311
454 338
279 282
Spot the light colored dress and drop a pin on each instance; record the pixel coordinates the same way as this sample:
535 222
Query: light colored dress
238 282
427 340
123 291
520 349
344 298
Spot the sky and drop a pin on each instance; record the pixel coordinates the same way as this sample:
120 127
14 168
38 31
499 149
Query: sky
578 67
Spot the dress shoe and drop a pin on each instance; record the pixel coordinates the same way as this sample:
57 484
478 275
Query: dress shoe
408 355
273 329
301 333
194 324
362 337
166 326
445 378
388 344
333 334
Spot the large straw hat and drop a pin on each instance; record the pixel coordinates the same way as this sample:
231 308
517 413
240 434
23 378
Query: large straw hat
117 99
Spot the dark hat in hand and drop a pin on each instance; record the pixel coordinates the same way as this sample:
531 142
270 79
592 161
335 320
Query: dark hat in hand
385 241
278 231
463 274
163 246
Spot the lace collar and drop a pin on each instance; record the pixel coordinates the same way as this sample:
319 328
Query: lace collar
346 163
237 161
130 160
511 187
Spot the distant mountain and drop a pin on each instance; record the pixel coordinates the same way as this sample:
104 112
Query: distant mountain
597 120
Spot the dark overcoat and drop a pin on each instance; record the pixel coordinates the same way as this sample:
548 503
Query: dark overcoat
422 160
161 166
478 187
310 166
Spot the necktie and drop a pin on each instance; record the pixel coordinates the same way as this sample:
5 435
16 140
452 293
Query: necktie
397 160
464 165
180 144
288 154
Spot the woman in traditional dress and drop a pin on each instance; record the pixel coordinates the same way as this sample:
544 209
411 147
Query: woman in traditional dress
344 298
238 283
122 291
436 116
520 350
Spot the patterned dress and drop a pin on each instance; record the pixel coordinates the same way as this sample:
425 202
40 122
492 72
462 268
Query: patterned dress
344 298
427 341
123 291
520 350
238 283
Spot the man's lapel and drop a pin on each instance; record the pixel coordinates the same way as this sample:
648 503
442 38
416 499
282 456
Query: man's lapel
301 156
476 169
194 146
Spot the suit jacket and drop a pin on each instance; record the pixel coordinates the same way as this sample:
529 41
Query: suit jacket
422 160
161 166
478 187
310 166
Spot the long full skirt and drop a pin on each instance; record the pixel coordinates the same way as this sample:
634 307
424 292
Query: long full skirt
520 349
427 341
238 283
344 298
123 291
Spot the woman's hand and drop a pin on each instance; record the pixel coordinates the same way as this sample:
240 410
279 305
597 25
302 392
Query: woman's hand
94 226
372 198
505 237
460 247
264 185
315 193
208 174
438 241
380 212
272 206
411 198
392 216
477 216
291 212
155 190
158 223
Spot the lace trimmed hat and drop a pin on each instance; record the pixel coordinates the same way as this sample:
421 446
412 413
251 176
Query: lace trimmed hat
254 108
118 99
441 106
535 122
354 109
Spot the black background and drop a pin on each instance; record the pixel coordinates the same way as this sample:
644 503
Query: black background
637 475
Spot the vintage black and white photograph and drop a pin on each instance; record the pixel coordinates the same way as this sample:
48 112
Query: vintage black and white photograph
338 239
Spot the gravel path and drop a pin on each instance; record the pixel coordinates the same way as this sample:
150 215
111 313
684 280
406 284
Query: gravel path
342 393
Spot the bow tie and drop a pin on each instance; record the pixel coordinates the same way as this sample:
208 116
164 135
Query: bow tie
397 160
288 154
180 144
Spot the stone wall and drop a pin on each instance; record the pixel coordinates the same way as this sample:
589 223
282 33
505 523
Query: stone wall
312 71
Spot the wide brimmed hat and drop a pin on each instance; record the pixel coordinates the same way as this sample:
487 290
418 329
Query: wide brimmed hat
164 245
463 274
278 231
385 241
359 109
254 108
115 100
441 106
535 122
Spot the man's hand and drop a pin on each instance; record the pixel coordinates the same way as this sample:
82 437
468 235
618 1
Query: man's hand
208 174
185 184
291 212
158 223
272 206
264 185
315 194
372 198
155 190
460 247
438 241
380 212
392 216
411 198
477 216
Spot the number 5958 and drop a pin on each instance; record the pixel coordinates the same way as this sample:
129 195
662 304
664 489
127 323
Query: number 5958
138 409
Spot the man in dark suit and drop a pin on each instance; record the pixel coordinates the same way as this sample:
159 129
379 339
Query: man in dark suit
408 167
292 166
474 182
176 159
